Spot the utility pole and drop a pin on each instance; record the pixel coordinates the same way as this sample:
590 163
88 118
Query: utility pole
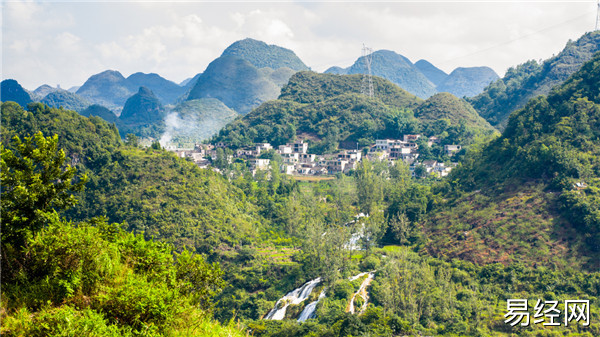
367 80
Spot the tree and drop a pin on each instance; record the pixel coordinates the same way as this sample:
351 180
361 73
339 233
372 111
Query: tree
221 161
400 228
368 187
156 145
35 183
374 228
420 171
132 140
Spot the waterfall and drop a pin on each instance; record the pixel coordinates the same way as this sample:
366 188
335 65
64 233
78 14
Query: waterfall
362 292
356 277
293 297
309 310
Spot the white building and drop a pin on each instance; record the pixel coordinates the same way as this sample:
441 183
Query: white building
260 164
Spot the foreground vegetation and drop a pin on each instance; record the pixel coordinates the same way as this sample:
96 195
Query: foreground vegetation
90 278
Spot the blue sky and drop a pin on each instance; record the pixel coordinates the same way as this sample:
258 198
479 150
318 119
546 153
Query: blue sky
49 42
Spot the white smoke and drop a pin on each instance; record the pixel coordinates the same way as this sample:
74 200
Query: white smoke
173 124
194 123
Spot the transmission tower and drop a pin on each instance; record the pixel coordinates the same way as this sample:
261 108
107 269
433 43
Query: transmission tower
598 18
366 87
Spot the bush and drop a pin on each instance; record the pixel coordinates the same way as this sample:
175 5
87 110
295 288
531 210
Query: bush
62 321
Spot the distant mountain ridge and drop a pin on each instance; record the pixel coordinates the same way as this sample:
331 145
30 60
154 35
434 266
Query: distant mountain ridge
44 90
235 82
166 91
142 108
107 88
395 68
110 89
100 111
422 79
434 74
531 79
66 99
467 82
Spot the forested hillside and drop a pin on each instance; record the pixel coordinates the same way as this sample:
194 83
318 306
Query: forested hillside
329 111
149 191
531 79
536 186
12 91
269 233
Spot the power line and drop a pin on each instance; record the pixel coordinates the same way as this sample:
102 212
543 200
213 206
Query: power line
598 17
521 37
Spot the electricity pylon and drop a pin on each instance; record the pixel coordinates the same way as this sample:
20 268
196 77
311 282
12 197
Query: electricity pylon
366 87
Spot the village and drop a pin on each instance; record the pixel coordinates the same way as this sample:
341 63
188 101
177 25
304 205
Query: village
295 159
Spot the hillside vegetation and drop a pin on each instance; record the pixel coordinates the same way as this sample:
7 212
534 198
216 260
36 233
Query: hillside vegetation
536 186
444 112
330 112
149 191
531 79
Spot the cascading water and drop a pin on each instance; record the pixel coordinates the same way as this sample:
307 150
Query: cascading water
309 310
301 294
356 277
362 292
354 241
293 297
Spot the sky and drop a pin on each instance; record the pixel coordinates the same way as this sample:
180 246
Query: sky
64 43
